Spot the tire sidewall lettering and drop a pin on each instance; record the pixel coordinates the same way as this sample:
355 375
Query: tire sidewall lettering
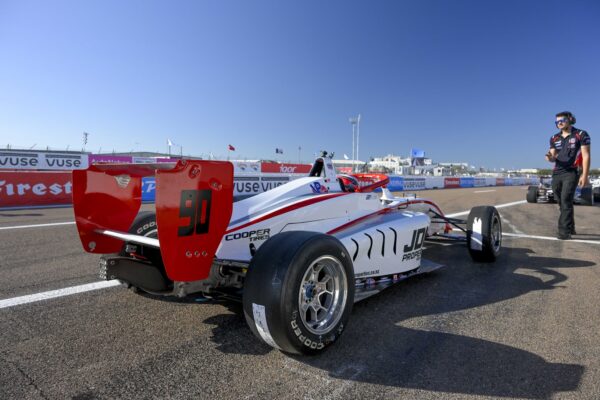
147 226
306 338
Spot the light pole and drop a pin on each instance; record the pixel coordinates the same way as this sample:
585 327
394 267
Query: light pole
85 140
353 121
355 130
357 135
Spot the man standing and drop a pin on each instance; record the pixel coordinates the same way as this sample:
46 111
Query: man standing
570 151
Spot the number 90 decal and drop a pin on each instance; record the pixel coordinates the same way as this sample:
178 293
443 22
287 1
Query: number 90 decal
195 205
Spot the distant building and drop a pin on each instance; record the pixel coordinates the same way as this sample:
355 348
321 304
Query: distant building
393 164
442 171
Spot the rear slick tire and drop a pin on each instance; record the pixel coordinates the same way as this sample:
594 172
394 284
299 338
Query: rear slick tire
299 292
144 224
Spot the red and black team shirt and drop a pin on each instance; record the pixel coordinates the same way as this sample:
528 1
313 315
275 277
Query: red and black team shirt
569 150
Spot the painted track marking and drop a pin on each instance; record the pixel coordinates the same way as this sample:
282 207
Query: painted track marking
36 225
514 203
520 235
15 301
511 226
484 191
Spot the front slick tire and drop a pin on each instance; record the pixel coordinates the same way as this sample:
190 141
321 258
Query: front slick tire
299 291
484 233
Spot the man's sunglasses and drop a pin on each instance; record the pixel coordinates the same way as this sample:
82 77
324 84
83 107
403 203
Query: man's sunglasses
561 121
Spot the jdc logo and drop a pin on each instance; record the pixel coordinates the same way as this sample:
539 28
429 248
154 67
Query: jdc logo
417 240
413 250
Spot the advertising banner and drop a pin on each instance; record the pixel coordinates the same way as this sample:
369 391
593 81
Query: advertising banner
144 160
148 188
277 168
396 183
242 185
479 182
106 158
414 184
29 189
499 181
32 160
247 185
467 182
451 183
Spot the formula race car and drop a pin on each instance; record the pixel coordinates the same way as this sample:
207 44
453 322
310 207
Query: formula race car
298 256
543 193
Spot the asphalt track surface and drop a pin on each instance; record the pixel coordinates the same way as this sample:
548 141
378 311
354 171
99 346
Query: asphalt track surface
527 326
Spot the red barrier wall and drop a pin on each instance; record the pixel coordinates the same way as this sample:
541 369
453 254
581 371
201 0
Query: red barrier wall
28 188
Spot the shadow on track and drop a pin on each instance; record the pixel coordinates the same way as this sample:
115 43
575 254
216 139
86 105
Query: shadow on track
377 349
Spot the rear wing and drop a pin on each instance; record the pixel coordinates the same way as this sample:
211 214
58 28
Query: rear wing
194 202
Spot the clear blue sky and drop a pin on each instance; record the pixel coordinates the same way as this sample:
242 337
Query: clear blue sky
473 81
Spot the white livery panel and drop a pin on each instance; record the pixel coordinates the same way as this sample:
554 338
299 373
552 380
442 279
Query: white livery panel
390 244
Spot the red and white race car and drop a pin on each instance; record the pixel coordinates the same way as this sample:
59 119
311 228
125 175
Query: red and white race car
298 256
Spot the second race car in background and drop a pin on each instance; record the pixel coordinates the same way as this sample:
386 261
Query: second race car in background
543 193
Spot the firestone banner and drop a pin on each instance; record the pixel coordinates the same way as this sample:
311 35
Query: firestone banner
27 160
29 189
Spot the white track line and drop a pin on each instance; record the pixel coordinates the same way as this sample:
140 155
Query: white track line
105 284
484 191
460 214
15 301
36 226
511 226
518 235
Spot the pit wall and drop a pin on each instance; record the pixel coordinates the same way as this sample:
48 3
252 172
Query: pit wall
33 189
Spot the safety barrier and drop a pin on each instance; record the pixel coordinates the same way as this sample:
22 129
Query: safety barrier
29 189
410 183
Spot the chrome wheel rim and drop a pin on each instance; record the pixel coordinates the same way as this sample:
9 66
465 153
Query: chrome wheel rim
323 295
496 234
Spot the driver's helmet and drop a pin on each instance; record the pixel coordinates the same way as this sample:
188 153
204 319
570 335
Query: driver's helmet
349 183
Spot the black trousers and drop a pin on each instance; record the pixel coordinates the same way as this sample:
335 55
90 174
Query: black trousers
564 186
